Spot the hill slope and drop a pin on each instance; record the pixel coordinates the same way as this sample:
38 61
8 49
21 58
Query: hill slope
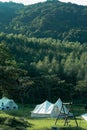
64 21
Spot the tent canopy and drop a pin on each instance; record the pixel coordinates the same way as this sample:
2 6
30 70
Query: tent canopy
7 104
84 116
48 109
44 109
61 107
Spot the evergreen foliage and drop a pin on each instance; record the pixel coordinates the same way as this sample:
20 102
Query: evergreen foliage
64 21
54 68
43 51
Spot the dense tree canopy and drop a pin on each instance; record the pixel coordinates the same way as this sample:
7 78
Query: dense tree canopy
9 72
64 21
43 51
54 68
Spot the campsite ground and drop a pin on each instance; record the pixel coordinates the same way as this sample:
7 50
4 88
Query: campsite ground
20 119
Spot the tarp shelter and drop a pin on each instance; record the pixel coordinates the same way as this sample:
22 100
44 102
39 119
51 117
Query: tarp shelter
48 109
7 104
84 116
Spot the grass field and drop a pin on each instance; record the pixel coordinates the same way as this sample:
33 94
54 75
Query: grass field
17 120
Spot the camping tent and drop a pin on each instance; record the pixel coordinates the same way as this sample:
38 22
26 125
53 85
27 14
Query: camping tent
62 108
7 104
84 116
46 109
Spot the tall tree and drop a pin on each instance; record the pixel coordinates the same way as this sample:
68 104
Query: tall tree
9 72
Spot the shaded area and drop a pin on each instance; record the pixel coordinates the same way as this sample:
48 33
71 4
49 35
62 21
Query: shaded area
73 128
14 122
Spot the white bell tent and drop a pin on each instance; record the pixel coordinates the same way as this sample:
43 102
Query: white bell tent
7 104
48 109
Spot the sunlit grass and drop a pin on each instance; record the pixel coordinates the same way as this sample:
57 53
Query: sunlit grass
47 124
23 113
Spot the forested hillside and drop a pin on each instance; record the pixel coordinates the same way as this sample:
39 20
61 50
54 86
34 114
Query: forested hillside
64 21
43 52
7 13
36 69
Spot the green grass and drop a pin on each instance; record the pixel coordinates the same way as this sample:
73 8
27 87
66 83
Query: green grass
23 115
47 124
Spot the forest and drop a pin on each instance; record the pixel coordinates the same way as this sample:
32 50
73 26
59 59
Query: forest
35 69
43 56
43 52
55 19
